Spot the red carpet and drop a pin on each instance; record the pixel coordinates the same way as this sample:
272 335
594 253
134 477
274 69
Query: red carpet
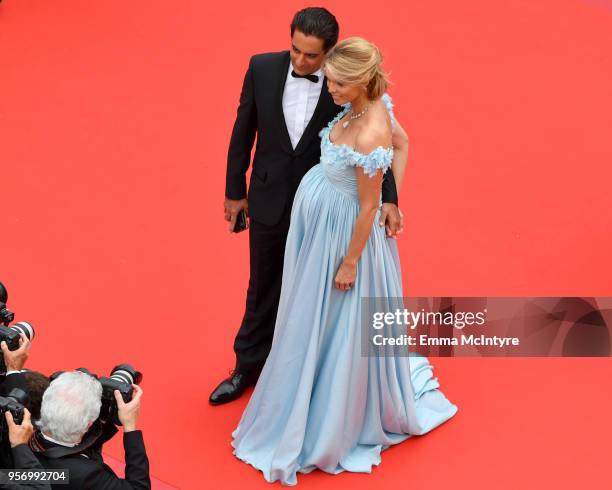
114 123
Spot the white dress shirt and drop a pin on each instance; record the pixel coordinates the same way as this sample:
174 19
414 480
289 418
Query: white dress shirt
300 98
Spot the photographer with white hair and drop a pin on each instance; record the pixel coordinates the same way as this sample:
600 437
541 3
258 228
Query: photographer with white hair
70 436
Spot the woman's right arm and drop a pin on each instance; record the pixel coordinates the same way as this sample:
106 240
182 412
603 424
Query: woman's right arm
368 187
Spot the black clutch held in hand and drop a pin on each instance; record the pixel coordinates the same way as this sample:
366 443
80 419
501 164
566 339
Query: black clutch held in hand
241 222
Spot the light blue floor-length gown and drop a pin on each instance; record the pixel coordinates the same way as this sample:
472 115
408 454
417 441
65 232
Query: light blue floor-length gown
318 402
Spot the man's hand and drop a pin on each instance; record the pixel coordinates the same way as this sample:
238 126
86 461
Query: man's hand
15 359
392 219
19 434
128 412
232 208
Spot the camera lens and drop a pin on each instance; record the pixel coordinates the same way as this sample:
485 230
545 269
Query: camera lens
127 374
25 328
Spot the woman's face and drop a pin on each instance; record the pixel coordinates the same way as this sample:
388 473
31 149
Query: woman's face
340 91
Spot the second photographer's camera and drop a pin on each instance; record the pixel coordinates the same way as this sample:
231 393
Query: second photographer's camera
14 403
11 335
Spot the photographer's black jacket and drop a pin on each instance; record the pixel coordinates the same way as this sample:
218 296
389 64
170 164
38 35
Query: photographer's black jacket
88 470
24 459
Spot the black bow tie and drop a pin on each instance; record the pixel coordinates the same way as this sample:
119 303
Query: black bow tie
312 78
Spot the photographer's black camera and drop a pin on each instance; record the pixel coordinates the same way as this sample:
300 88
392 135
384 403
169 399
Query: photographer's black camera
14 403
122 378
11 335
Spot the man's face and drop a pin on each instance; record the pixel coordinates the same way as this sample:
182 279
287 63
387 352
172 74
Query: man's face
307 53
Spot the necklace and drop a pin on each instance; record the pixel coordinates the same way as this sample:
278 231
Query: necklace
346 123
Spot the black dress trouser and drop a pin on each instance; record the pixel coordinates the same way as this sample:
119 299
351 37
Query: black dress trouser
266 251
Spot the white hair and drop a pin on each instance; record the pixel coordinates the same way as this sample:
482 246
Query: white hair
69 406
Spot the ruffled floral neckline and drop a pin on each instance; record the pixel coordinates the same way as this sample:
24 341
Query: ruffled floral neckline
379 158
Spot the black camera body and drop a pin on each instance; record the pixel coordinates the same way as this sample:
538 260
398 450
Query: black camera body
14 403
122 378
109 385
11 336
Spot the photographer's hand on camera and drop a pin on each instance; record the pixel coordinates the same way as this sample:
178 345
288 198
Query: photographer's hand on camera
128 412
23 458
19 434
16 359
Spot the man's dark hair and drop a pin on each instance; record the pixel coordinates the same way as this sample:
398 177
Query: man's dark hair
37 384
318 22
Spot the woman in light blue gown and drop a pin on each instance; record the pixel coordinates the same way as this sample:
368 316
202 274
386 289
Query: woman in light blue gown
320 403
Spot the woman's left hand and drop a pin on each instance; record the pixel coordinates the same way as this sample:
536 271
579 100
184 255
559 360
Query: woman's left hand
345 278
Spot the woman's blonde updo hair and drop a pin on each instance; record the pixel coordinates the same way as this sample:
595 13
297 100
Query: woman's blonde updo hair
355 61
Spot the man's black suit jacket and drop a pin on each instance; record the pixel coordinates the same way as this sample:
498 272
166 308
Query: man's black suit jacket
277 167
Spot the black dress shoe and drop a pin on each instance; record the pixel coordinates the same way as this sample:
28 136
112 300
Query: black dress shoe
232 388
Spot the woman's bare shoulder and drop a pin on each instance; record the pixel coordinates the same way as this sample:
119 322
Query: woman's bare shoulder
376 132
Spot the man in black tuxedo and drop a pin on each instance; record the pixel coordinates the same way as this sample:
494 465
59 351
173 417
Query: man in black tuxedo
284 101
